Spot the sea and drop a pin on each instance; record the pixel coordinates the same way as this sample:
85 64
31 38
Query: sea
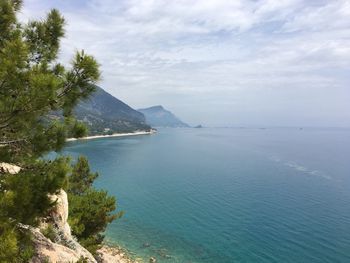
225 195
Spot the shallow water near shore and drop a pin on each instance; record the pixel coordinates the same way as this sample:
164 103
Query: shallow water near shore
228 195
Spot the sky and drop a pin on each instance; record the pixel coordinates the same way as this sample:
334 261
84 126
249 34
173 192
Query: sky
217 62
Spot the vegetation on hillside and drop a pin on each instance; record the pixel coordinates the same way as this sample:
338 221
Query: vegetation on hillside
105 114
33 84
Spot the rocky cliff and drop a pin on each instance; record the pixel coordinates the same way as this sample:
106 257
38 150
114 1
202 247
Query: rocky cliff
65 248
62 247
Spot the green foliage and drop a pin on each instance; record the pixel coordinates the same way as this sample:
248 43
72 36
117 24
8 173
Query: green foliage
23 199
49 232
90 210
8 244
93 209
79 130
43 37
24 196
32 86
81 179
15 246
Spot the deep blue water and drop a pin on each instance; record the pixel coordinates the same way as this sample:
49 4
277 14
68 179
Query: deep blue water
228 195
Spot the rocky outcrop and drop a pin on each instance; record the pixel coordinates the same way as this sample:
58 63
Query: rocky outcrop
59 215
48 251
64 248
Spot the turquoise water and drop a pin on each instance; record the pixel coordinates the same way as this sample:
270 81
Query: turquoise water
229 195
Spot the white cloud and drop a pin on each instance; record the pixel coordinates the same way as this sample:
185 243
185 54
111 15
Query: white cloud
334 15
189 54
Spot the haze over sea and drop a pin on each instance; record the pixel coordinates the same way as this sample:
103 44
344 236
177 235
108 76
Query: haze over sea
228 195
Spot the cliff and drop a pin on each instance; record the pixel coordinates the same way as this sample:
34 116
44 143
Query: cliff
61 246
65 248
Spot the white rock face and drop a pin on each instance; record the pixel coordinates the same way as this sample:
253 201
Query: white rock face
60 213
47 251
9 168
66 249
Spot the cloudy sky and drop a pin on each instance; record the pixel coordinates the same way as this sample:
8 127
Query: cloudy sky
218 62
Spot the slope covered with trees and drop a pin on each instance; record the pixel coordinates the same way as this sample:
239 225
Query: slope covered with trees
103 113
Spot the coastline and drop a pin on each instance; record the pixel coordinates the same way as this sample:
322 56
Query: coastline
152 131
111 252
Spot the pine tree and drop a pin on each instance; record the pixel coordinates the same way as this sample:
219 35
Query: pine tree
33 85
90 210
81 178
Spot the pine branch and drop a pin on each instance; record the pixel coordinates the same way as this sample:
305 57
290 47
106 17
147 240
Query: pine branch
12 141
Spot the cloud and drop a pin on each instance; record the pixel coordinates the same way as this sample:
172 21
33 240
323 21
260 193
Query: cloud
332 16
242 58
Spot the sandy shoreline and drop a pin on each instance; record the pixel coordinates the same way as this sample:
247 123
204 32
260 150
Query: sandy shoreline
113 135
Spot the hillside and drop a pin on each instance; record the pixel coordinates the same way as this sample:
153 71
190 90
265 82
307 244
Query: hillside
157 116
105 114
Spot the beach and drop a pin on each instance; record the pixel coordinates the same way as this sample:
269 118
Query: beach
113 135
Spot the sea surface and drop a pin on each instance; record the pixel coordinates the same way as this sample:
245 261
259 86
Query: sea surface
228 195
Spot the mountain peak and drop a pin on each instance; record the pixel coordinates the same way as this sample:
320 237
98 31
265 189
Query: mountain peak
157 116
155 108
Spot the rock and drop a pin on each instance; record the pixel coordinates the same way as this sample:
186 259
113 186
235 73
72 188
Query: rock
48 251
152 260
59 215
9 168
108 254
66 246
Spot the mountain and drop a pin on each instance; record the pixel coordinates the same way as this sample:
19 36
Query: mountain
105 114
157 116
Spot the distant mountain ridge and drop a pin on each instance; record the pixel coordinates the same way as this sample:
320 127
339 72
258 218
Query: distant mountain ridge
157 116
105 114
